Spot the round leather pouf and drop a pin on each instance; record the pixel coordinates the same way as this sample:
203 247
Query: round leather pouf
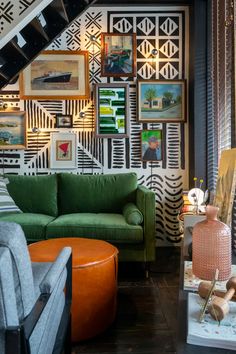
94 281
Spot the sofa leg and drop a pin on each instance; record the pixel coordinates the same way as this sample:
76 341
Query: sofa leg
147 268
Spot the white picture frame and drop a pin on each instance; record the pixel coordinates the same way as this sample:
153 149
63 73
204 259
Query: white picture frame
63 151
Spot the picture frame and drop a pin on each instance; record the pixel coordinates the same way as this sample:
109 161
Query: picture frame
151 145
111 110
13 126
161 101
64 121
63 151
118 54
56 74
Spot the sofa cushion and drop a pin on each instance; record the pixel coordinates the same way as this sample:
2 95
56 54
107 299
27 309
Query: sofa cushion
34 194
132 214
7 204
95 193
108 227
33 225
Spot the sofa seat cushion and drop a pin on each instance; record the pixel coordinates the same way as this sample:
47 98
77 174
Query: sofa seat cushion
108 227
95 193
34 194
33 225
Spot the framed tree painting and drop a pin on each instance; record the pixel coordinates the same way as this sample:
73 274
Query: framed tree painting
112 110
151 145
63 151
12 130
56 74
161 101
118 54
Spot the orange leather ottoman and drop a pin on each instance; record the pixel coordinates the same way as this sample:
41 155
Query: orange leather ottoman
94 281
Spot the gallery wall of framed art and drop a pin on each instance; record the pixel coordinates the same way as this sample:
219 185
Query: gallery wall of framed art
141 29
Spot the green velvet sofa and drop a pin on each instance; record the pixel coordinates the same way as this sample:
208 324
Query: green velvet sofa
91 206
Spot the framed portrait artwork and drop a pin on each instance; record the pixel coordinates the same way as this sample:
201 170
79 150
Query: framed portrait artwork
64 120
151 144
118 54
56 74
112 110
63 151
161 101
13 130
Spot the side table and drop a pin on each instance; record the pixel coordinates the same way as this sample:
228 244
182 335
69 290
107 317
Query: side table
182 347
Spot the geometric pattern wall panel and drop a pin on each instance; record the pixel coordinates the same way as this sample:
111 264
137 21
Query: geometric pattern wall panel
159 27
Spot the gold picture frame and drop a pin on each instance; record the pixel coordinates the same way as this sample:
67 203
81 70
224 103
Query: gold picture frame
56 74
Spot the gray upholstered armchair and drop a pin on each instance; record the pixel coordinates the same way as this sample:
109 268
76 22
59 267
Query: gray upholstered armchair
34 308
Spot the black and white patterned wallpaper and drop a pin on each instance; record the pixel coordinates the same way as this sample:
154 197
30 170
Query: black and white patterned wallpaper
156 27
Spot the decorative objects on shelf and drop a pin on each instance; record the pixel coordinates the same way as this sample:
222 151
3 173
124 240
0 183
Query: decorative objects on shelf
161 101
118 54
211 247
63 151
64 121
12 130
112 110
151 145
56 74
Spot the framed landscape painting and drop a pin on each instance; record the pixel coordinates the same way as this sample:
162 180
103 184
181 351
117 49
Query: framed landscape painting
56 74
151 144
112 110
118 54
12 130
161 101
63 151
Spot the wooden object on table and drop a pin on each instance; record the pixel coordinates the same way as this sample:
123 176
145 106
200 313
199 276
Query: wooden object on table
204 288
219 307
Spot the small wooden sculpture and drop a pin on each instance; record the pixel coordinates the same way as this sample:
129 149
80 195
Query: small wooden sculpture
219 306
204 288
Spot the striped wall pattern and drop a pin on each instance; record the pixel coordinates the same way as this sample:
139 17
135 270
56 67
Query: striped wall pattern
164 28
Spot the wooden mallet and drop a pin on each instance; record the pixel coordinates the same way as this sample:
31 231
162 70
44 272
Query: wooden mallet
219 306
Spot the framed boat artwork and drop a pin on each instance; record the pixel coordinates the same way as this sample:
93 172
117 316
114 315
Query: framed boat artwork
56 74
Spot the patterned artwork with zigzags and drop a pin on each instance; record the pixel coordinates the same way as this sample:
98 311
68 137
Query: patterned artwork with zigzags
167 178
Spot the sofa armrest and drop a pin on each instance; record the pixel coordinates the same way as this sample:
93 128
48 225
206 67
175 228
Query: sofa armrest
51 278
145 200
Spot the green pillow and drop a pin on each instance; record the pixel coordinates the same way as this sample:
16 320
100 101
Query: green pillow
34 194
132 214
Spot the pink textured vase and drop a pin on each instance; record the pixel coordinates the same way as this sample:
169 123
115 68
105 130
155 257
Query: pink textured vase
211 247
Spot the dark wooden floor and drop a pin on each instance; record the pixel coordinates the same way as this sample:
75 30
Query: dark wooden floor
147 310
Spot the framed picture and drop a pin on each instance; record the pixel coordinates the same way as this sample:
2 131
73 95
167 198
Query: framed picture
63 151
161 101
64 120
118 54
12 130
151 142
112 110
56 74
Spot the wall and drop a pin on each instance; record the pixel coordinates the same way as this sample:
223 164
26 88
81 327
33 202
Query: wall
158 27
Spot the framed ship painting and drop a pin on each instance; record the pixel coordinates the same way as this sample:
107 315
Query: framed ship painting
63 151
56 74
112 110
161 101
118 54
12 130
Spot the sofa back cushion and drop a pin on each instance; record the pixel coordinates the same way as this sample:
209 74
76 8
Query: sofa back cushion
34 194
95 193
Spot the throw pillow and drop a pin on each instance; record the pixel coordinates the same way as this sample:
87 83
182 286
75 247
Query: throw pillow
132 214
7 204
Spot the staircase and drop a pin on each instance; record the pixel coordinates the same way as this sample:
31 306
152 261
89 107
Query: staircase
26 41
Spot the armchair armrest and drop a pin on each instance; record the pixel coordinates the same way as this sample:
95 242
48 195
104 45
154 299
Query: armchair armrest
49 281
145 200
